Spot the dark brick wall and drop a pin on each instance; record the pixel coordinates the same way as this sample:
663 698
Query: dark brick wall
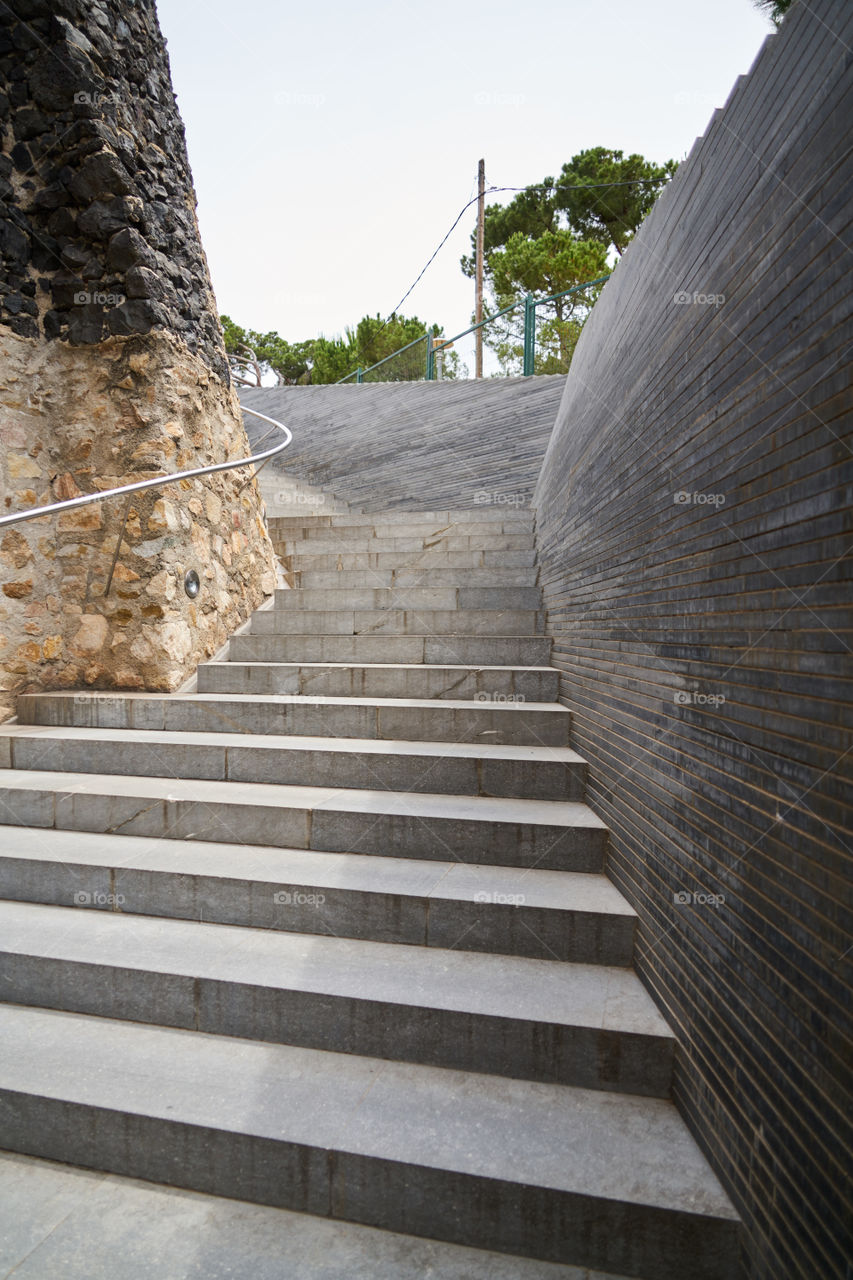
694 526
98 234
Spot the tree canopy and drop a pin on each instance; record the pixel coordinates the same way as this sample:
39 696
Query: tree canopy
556 235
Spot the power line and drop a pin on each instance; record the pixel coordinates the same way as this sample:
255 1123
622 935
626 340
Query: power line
587 186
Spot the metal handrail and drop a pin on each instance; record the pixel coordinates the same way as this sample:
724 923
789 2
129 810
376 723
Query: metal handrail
67 504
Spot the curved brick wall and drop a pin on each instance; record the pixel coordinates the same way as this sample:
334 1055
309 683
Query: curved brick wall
694 525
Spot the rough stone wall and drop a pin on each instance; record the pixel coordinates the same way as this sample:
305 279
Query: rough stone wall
694 527
112 365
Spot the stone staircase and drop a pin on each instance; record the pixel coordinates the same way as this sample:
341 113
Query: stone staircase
331 930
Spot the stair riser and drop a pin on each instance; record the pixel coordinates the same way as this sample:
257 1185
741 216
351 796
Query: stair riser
497 724
420 529
451 775
379 682
553 1225
581 937
433 599
494 650
477 842
450 622
523 1049
326 541
418 579
485 516
384 560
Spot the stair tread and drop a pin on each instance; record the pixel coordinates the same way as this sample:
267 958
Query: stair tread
566 994
584 1142
296 742
65 1221
568 813
306 699
360 872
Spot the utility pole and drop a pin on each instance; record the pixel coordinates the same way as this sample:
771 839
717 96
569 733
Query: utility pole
481 218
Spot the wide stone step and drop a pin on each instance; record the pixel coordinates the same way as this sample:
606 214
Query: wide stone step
429 529
588 1025
522 772
587 1176
452 650
337 579
546 915
550 834
381 680
410 599
482 515
544 724
326 541
400 562
124 1218
353 622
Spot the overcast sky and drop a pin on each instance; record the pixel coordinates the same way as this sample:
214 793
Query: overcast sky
333 144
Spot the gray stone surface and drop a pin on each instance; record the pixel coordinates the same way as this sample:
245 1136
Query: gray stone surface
626 1164
588 1025
73 1224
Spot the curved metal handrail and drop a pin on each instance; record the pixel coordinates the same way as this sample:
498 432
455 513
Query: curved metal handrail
33 513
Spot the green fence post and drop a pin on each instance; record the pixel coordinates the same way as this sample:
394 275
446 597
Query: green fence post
359 375
430 357
529 334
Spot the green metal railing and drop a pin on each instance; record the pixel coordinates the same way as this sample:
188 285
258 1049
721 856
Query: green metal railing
397 369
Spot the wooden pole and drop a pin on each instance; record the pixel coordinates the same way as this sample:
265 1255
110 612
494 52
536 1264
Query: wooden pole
481 218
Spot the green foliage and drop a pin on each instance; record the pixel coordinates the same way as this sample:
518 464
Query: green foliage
549 264
610 213
325 360
775 10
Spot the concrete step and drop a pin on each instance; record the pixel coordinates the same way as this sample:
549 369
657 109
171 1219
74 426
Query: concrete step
381 680
522 772
452 650
420 529
420 599
586 1176
486 516
550 834
544 724
67 1223
333 540
402 622
546 915
401 561
588 1025
349 580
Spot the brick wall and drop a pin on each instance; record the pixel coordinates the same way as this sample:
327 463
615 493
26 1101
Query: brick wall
694 524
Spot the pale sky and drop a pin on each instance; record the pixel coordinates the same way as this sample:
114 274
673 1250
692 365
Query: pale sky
333 144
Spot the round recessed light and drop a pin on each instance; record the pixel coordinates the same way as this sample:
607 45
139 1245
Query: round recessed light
192 583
